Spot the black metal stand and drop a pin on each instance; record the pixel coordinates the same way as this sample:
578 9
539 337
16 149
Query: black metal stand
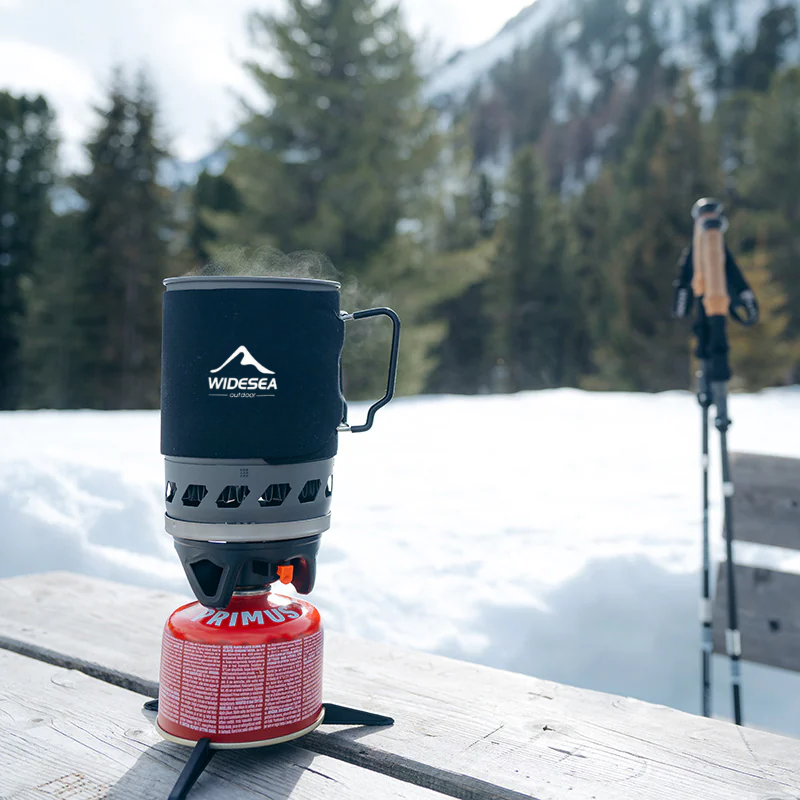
202 753
197 762
342 715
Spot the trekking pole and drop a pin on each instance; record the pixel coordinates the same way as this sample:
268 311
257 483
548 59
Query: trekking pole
733 637
707 642
705 399
716 305
709 273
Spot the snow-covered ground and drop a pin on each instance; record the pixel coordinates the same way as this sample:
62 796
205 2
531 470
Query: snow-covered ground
553 533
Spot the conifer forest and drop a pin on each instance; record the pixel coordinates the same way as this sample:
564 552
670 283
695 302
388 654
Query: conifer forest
527 232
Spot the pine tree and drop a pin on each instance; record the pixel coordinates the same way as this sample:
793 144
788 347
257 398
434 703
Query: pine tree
52 338
124 226
731 121
670 165
763 355
27 153
568 315
483 206
591 244
753 69
212 193
336 161
526 104
769 181
529 301
461 355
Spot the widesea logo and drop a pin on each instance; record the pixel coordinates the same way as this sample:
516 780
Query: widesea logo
247 386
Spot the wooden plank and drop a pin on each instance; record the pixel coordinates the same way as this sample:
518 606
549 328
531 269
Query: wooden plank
769 615
767 499
70 620
530 737
66 735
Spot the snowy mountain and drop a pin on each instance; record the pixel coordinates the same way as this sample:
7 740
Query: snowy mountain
467 67
577 71
687 30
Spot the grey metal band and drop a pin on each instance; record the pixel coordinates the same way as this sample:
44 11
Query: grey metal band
276 532
247 491
250 282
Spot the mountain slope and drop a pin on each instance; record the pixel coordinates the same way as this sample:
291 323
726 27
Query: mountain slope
679 23
577 71
464 69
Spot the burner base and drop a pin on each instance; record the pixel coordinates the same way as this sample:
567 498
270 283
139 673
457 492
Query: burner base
204 749
244 745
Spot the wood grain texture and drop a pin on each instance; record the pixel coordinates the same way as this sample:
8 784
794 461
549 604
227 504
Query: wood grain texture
767 499
65 735
454 720
769 615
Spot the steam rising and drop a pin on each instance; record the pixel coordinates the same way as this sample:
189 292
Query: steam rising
272 263
269 262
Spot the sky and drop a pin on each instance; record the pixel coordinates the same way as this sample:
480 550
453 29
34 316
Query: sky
65 49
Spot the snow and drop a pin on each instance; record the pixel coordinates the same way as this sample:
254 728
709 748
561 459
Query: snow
739 29
592 168
577 80
496 166
459 75
553 533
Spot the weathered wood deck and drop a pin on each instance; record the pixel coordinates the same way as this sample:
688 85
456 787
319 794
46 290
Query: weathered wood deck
766 512
767 499
80 654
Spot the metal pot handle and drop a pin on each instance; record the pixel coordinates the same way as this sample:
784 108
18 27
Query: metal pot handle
392 379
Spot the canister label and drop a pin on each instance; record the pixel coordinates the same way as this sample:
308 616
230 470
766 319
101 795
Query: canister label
231 690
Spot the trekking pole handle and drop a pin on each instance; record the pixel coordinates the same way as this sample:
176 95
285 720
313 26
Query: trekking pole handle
716 300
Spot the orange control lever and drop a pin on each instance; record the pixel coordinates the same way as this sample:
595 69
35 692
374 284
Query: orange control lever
286 573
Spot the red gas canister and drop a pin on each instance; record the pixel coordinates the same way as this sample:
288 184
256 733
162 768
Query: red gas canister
247 676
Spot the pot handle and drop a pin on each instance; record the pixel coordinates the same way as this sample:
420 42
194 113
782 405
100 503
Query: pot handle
392 379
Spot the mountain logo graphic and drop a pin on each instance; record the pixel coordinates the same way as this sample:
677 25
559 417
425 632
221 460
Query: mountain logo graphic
243 387
247 361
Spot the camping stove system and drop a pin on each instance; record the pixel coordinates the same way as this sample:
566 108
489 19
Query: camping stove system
251 410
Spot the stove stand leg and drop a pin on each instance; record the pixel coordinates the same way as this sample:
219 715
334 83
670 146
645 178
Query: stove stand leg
197 762
341 715
202 753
